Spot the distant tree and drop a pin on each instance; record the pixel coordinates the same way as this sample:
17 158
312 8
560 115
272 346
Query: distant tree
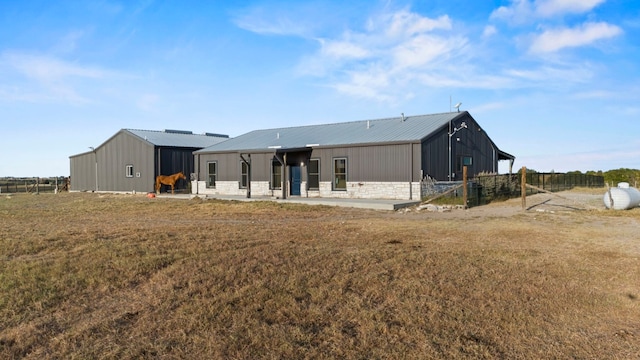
575 172
529 171
613 177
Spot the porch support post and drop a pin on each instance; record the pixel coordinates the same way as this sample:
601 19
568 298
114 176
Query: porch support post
248 162
285 180
283 165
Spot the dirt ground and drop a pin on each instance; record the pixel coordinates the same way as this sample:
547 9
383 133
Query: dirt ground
124 276
582 208
563 202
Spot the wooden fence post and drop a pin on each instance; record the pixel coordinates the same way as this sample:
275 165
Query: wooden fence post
523 185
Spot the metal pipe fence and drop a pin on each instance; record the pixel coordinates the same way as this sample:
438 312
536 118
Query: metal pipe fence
33 185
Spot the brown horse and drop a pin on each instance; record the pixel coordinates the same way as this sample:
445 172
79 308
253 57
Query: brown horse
168 180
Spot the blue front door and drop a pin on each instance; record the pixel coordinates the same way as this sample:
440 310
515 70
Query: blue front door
296 180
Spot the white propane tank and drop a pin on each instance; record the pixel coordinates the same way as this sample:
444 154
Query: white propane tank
624 197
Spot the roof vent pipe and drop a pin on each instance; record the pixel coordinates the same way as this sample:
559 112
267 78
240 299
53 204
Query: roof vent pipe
277 135
402 116
368 124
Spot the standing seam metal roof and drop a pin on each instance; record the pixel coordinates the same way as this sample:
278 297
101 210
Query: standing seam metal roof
177 138
412 128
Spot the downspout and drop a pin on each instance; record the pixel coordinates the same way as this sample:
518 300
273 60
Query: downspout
449 165
494 158
159 167
411 172
493 164
198 175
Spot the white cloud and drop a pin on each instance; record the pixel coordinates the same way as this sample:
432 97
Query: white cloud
45 68
45 78
553 7
397 52
405 23
270 21
527 11
69 42
366 84
520 11
557 39
450 78
595 94
343 49
394 49
557 74
489 31
424 49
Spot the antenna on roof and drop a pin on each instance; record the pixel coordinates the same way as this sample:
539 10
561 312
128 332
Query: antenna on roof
457 106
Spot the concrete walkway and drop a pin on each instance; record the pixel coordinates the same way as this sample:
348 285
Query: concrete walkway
353 203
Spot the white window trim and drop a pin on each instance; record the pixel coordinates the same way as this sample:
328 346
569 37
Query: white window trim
128 171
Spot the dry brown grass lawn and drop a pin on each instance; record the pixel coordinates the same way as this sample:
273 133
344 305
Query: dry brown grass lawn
117 276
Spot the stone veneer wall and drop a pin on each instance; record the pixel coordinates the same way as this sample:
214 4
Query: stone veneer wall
258 188
370 190
355 190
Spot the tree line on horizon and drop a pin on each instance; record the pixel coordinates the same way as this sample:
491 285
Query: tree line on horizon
612 177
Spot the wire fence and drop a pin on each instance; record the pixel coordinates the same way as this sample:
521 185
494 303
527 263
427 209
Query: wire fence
485 188
34 185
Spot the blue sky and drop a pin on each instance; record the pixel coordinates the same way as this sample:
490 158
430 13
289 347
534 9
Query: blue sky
554 82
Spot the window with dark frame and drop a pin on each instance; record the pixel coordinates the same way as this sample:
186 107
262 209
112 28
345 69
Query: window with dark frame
340 174
212 174
276 175
244 174
314 174
464 161
129 171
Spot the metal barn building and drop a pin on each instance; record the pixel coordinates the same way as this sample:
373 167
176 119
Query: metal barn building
378 159
131 159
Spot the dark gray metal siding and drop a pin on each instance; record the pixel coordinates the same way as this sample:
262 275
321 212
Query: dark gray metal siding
173 160
473 141
229 166
435 152
120 151
83 172
384 163
148 160
112 157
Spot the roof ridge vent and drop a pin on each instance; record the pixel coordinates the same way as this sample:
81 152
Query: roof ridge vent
185 132
216 135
